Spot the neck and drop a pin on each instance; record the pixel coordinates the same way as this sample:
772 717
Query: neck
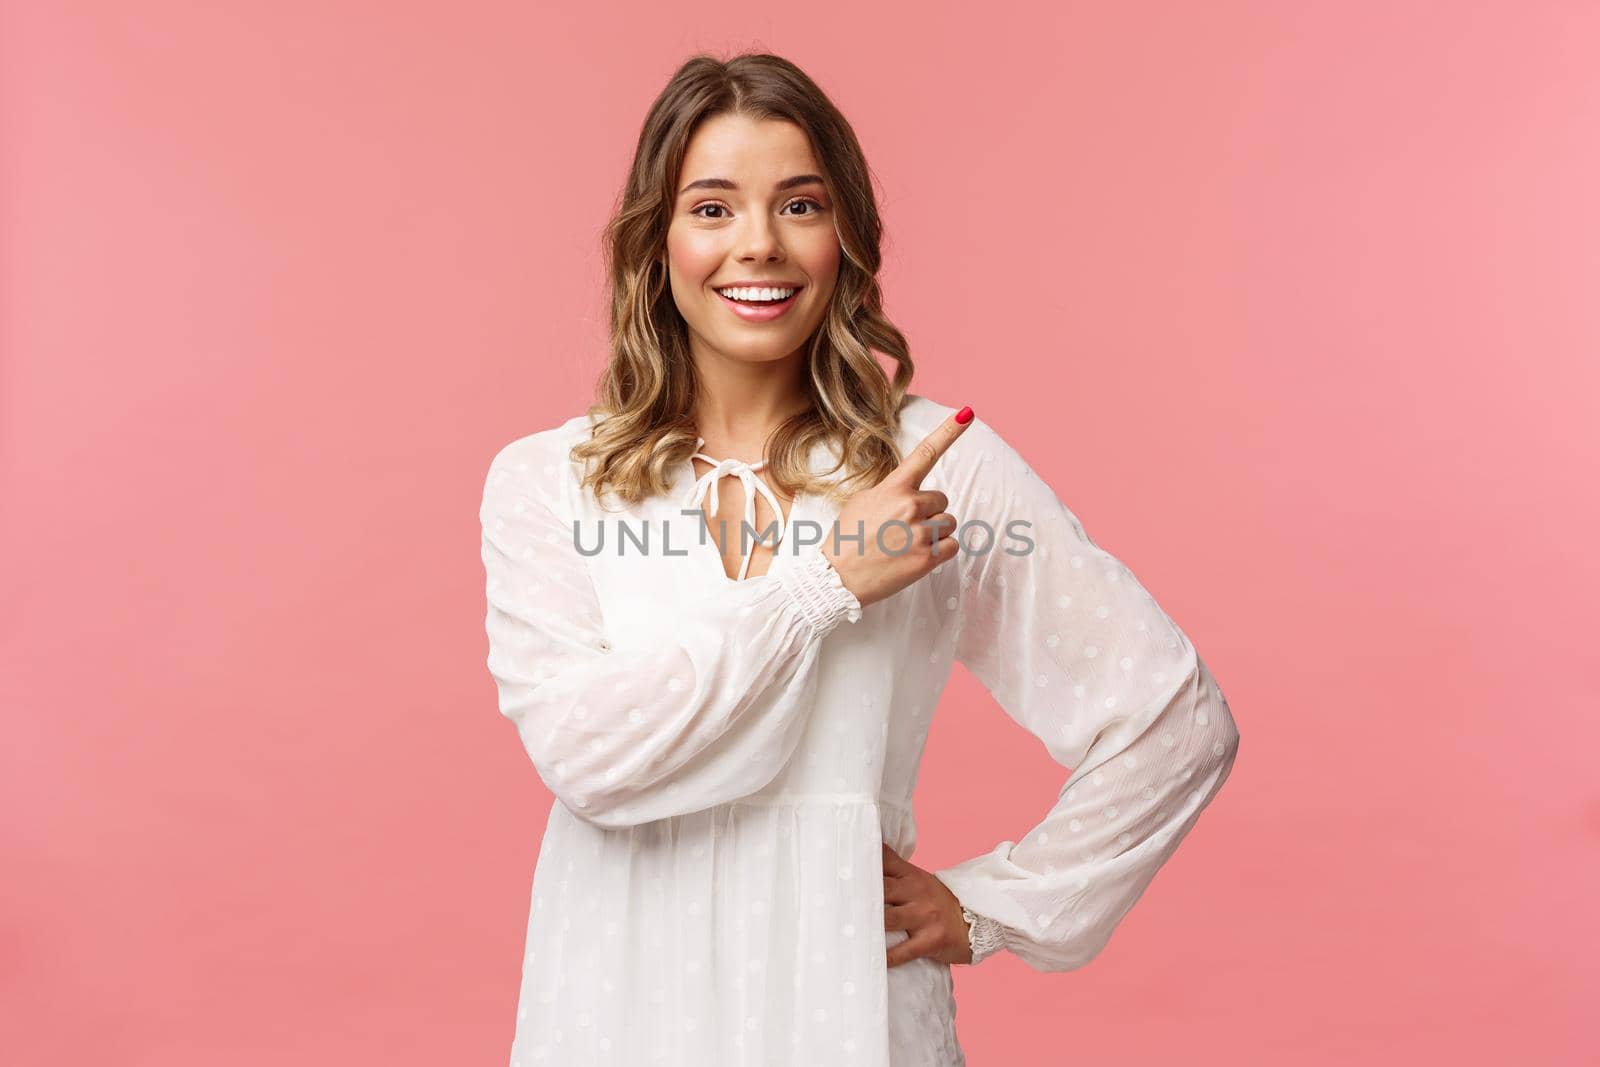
738 403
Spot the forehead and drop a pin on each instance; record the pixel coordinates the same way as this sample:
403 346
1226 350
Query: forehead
757 151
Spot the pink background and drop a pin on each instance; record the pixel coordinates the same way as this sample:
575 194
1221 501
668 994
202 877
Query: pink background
1295 306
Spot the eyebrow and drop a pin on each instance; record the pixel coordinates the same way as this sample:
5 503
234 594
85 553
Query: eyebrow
724 183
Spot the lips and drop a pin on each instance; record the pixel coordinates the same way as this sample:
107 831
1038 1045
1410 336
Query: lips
765 312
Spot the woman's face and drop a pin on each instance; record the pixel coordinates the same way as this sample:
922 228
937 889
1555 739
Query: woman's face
751 208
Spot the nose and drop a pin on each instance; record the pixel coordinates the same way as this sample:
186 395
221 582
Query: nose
760 239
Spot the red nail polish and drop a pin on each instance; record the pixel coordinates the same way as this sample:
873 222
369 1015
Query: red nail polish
964 416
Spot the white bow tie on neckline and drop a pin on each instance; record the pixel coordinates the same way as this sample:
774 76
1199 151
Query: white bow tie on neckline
746 473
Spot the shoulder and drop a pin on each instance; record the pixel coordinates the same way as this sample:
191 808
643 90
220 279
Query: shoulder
542 452
537 466
920 414
977 446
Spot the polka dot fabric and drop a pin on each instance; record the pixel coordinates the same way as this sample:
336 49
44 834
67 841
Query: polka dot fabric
1078 653
727 755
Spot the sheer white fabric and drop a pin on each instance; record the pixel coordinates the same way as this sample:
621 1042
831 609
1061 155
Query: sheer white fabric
726 756
1078 653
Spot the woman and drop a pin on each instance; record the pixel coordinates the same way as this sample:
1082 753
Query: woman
732 725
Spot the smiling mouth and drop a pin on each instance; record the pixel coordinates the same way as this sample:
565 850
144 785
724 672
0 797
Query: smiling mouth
756 302
749 308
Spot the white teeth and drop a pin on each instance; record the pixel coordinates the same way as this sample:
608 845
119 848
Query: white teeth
757 294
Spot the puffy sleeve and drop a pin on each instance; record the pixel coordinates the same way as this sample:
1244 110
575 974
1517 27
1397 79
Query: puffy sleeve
1078 653
628 731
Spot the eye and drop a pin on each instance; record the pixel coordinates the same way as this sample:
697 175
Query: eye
698 208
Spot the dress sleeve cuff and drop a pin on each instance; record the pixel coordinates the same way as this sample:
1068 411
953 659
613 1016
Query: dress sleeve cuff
820 594
985 935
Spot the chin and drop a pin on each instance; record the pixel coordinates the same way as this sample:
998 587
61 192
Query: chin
762 350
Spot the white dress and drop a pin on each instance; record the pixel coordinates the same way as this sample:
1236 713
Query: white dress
727 755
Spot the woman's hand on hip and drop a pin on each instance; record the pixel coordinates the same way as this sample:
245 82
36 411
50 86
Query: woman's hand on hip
915 901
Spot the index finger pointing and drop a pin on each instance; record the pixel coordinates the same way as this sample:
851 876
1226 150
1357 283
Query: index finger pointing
919 462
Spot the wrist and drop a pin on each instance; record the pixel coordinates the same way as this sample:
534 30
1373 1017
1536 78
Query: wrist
842 566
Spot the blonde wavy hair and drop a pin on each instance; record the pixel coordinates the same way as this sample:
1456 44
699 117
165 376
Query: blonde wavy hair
641 422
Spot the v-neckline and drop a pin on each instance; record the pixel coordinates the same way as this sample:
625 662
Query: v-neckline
708 546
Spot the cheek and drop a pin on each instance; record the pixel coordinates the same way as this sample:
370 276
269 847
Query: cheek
693 256
822 256
821 263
